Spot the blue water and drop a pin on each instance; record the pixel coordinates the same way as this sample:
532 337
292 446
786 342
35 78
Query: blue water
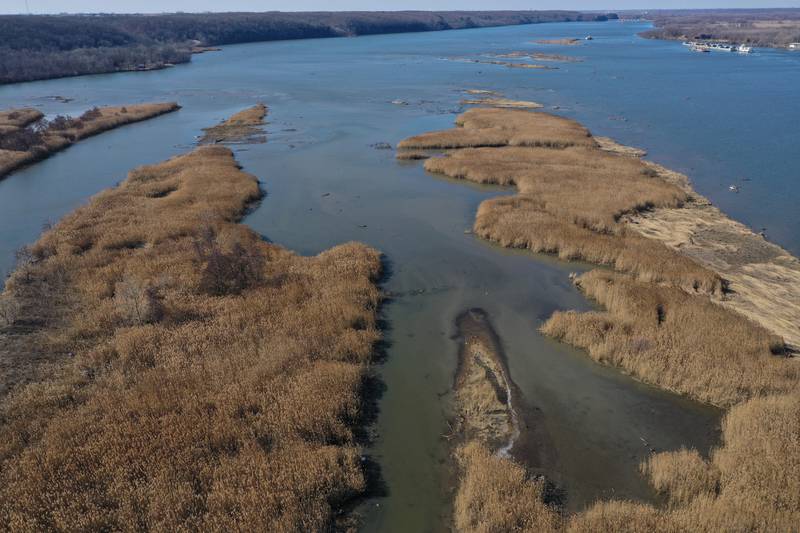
722 119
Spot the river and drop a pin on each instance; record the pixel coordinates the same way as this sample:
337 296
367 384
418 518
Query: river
722 119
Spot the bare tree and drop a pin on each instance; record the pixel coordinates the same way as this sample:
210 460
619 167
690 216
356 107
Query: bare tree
9 310
137 302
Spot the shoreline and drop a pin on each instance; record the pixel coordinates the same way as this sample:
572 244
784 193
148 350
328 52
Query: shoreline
675 312
54 140
290 26
155 316
763 278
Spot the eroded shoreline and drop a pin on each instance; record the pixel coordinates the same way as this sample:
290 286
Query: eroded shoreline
663 323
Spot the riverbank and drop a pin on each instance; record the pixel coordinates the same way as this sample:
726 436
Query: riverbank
190 374
664 322
768 28
152 42
23 143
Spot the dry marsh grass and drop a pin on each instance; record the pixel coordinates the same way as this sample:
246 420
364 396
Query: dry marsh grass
583 201
182 401
560 42
55 138
500 127
676 340
19 118
763 277
502 103
751 483
572 194
497 495
681 475
244 126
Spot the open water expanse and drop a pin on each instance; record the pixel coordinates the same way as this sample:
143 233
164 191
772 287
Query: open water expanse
724 119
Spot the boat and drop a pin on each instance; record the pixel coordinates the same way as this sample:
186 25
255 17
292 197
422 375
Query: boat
733 188
699 46
744 49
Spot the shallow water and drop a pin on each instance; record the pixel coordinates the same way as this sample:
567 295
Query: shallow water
718 117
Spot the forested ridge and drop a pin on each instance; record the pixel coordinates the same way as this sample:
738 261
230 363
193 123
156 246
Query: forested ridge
49 46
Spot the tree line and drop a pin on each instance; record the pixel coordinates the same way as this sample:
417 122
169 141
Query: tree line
48 46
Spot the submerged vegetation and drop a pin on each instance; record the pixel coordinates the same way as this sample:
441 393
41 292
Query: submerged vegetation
25 137
667 320
191 375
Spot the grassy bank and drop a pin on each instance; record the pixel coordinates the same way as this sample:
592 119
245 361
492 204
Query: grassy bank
24 139
669 320
194 376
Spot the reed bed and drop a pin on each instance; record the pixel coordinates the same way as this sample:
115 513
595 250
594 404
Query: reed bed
659 325
244 126
502 127
55 137
18 118
205 379
678 341
497 495
750 483
571 194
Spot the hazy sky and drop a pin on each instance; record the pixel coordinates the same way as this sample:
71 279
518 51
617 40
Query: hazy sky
156 6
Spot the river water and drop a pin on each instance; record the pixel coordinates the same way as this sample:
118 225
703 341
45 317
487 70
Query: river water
723 119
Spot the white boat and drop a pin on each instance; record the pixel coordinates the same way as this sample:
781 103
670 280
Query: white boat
744 49
711 47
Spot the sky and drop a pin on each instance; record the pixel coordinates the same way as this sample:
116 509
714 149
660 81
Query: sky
159 6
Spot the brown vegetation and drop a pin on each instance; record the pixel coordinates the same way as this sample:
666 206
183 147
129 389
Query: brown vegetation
12 119
200 378
243 127
496 495
764 278
28 141
561 42
539 56
503 103
679 341
571 194
497 127
583 200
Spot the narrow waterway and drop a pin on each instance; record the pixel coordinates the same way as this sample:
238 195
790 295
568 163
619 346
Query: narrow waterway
330 100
